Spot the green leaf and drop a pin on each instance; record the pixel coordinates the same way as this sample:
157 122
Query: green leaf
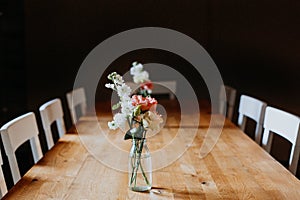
136 133
116 106
137 110
128 135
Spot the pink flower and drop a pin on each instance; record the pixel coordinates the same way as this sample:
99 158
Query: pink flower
147 85
146 103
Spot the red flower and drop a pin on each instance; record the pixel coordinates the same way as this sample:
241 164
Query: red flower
146 103
147 85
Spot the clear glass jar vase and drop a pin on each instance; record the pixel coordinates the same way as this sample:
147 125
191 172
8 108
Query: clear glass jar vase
139 166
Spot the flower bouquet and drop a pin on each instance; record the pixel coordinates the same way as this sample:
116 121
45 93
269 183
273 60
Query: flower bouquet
136 116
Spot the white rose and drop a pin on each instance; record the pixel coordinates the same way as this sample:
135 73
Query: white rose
152 121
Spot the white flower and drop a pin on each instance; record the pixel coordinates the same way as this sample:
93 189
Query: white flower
123 90
136 68
125 99
141 77
111 75
152 121
120 120
110 86
126 107
118 79
112 125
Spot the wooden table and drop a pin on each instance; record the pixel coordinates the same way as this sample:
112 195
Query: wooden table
236 168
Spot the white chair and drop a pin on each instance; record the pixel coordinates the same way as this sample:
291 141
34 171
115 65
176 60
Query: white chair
160 87
3 187
52 112
76 98
165 87
285 125
254 109
227 97
14 134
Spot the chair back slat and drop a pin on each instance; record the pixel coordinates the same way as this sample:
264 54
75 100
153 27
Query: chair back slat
76 98
52 112
3 187
14 134
285 125
227 97
254 109
160 87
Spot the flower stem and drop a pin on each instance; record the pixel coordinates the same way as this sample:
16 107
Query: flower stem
136 162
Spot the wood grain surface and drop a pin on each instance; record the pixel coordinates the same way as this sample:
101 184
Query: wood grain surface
236 168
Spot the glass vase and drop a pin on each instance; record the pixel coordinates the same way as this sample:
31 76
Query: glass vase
139 166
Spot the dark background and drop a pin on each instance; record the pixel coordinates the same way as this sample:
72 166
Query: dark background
255 45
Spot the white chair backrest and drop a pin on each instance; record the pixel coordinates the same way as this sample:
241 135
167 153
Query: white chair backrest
52 112
14 134
160 87
285 125
3 187
254 109
76 98
227 97
165 87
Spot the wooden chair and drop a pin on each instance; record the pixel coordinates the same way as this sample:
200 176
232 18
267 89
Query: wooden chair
76 98
254 109
160 87
14 134
3 187
285 125
52 112
227 97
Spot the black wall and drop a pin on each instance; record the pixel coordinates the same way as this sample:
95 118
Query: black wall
12 62
255 44
256 47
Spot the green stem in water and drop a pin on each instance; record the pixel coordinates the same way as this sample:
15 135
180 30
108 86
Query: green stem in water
137 162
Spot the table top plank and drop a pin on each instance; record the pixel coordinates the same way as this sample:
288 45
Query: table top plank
53 174
236 168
